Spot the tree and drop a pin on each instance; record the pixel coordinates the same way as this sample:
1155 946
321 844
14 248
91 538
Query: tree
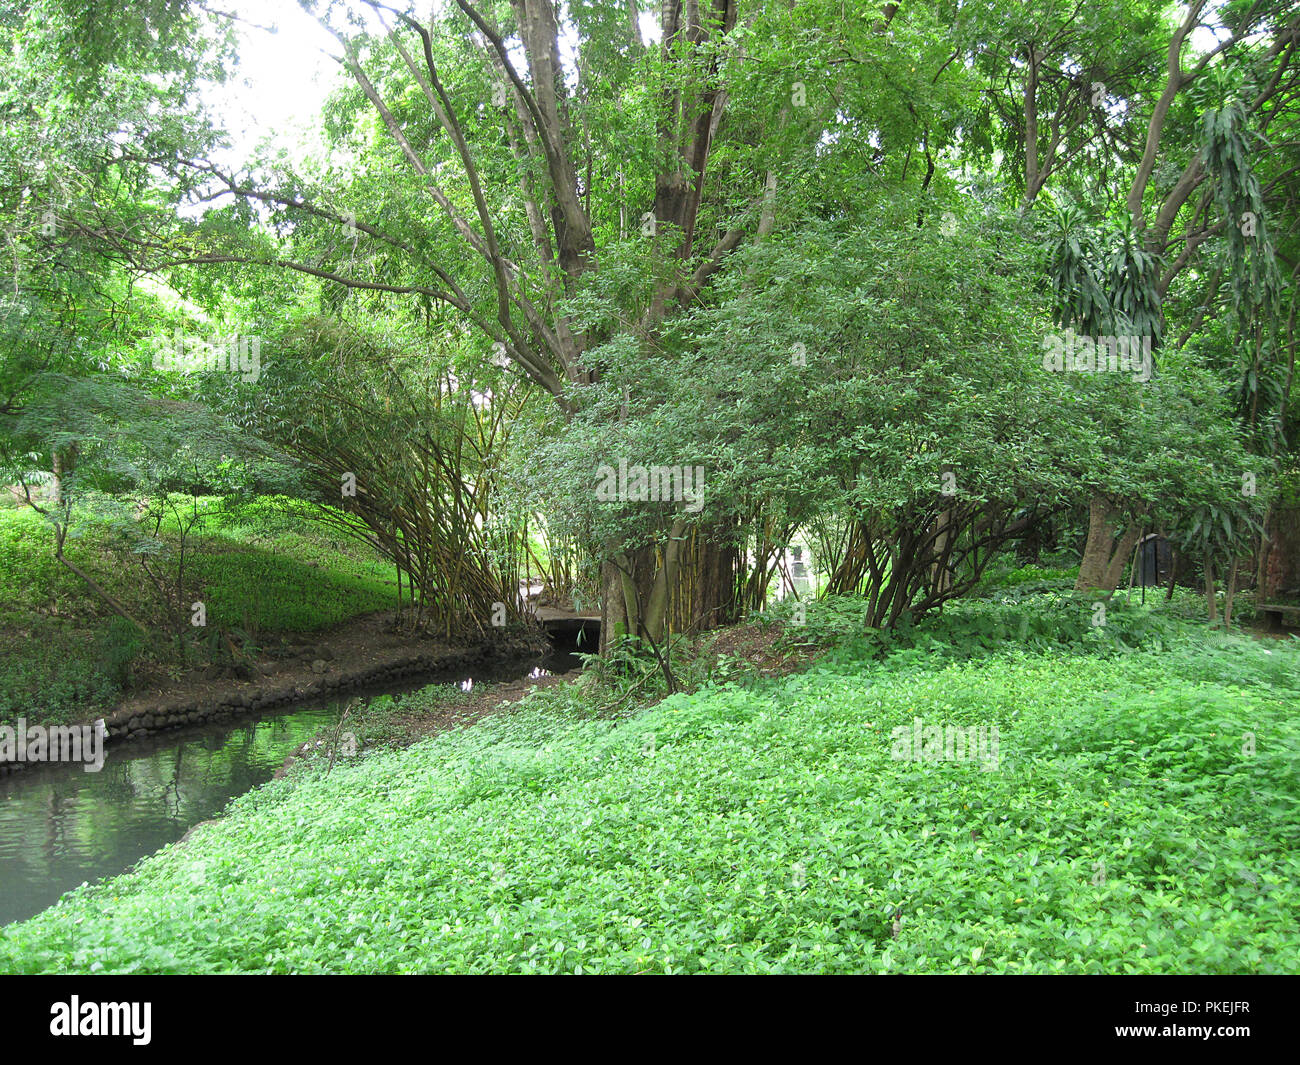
1136 123
542 174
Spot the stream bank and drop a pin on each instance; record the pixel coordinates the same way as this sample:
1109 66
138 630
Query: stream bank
61 827
362 654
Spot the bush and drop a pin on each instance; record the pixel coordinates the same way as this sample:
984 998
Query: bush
119 647
57 675
968 628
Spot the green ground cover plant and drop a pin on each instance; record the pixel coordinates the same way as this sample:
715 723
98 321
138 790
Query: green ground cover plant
1142 817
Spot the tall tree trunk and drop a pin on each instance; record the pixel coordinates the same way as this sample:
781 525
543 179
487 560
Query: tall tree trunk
1266 547
1229 593
1211 602
691 585
63 461
1104 557
613 616
711 589
940 574
56 477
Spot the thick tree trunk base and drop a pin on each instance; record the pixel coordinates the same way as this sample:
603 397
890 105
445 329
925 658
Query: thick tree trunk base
1104 557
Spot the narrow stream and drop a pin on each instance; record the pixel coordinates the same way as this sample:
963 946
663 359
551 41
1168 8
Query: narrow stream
61 827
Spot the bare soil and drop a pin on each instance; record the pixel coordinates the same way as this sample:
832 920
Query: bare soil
303 661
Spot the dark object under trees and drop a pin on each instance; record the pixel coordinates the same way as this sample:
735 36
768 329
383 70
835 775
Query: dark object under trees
1155 560
1279 591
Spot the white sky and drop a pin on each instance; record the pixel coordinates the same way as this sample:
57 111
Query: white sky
282 79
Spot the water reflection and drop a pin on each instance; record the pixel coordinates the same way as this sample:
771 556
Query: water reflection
60 827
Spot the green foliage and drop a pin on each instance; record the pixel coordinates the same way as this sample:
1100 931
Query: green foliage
1129 826
120 645
1021 615
629 675
28 569
54 651
1227 151
1032 578
275 593
55 673
1103 282
875 331
63 655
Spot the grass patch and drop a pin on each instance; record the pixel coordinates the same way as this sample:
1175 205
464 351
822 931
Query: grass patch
263 567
